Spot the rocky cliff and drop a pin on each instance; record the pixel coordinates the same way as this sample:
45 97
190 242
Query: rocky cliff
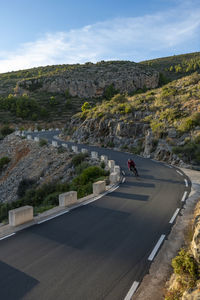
30 161
163 123
91 80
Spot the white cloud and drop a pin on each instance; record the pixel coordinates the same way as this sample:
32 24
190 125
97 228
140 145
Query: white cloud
123 38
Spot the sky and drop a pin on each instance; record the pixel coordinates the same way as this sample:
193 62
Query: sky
37 33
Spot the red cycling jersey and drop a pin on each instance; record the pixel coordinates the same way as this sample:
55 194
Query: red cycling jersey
131 163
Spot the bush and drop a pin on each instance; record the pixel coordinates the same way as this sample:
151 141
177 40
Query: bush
110 144
188 152
119 98
85 106
185 264
189 123
6 130
83 183
81 167
43 142
79 158
110 91
24 185
3 162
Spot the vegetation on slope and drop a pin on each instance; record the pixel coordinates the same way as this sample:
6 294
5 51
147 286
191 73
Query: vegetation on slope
175 105
46 196
177 66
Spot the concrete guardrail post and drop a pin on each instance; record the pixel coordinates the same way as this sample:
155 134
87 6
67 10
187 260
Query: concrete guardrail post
75 149
20 215
36 130
17 132
111 165
94 155
99 187
29 137
65 146
36 139
55 143
114 178
68 198
117 169
104 158
84 150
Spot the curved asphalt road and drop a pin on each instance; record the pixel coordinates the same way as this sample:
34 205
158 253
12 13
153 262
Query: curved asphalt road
99 250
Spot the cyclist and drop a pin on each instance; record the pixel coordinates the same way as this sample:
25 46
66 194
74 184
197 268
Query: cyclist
132 167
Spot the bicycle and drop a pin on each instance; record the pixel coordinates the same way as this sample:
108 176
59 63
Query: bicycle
134 170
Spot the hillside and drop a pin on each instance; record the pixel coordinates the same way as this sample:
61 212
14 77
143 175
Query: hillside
174 67
54 94
163 122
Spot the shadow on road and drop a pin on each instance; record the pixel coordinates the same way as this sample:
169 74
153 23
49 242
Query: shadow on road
129 196
14 284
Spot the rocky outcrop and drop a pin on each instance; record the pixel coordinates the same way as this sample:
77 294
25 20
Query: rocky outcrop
91 80
108 131
30 161
148 143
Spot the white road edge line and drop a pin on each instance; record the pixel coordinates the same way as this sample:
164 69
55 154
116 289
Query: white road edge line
79 205
62 213
179 172
184 196
157 246
123 180
186 182
7 236
132 290
174 215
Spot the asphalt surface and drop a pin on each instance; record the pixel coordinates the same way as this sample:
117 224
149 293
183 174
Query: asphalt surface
98 250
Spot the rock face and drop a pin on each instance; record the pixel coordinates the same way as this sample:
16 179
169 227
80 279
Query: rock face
148 143
109 131
91 80
29 161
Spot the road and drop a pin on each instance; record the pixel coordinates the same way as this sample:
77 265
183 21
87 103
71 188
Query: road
99 250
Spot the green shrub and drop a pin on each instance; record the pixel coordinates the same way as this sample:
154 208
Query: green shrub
110 144
41 209
84 190
110 91
82 166
189 152
3 162
61 149
102 165
189 123
51 199
85 106
119 98
6 130
158 128
83 183
79 158
24 185
185 264
43 142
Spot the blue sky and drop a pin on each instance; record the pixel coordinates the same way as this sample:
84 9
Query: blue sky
38 33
